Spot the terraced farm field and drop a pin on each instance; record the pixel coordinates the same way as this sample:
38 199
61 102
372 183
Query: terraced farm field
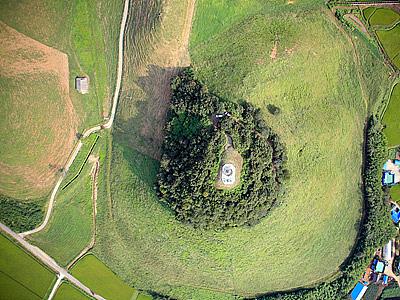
21 276
386 23
391 118
382 16
303 65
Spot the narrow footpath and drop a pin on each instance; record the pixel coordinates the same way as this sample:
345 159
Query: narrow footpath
62 273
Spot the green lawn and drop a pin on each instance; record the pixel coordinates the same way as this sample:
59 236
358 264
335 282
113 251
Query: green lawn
70 226
395 193
313 80
98 277
391 118
383 17
390 40
21 276
68 292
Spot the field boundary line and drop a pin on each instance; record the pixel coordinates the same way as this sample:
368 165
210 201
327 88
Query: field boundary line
94 174
47 261
94 129
83 164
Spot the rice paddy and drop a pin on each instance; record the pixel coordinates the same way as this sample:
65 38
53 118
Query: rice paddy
21 276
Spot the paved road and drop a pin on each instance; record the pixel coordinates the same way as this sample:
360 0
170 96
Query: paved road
94 129
48 261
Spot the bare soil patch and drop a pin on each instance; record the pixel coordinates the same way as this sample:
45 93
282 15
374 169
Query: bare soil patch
47 123
274 51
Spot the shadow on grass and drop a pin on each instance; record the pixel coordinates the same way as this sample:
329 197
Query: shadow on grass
148 102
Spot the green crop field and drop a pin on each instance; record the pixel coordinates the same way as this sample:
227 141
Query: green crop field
368 12
382 16
390 40
93 273
391 118
21 276
68 292
70 227
314 80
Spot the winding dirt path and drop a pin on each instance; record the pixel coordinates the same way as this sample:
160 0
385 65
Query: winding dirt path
94 129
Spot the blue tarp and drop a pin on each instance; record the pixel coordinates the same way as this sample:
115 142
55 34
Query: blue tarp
385 279
387 178
358 291
397 162
395 215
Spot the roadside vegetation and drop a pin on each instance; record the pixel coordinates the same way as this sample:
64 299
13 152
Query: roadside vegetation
21 276
21 216
192 152
70 227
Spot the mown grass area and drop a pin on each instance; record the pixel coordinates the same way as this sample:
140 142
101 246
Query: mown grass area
391 118
382 16
313 80
395 193
98 277
21 276
70 227
68 292
26 131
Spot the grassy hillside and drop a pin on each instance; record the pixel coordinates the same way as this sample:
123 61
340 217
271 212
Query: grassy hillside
85 33
292 56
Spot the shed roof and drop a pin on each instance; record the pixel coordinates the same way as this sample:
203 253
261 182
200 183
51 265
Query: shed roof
359 291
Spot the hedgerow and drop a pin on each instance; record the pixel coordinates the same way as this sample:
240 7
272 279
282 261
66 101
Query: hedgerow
375 230
19 215
192 152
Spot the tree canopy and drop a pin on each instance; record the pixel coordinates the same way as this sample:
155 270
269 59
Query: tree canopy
195 135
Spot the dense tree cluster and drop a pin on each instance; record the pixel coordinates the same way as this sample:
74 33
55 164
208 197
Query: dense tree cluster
19 215
376 228
192 152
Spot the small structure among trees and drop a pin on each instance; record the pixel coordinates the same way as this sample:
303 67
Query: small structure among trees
199 141
228 174
82 85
